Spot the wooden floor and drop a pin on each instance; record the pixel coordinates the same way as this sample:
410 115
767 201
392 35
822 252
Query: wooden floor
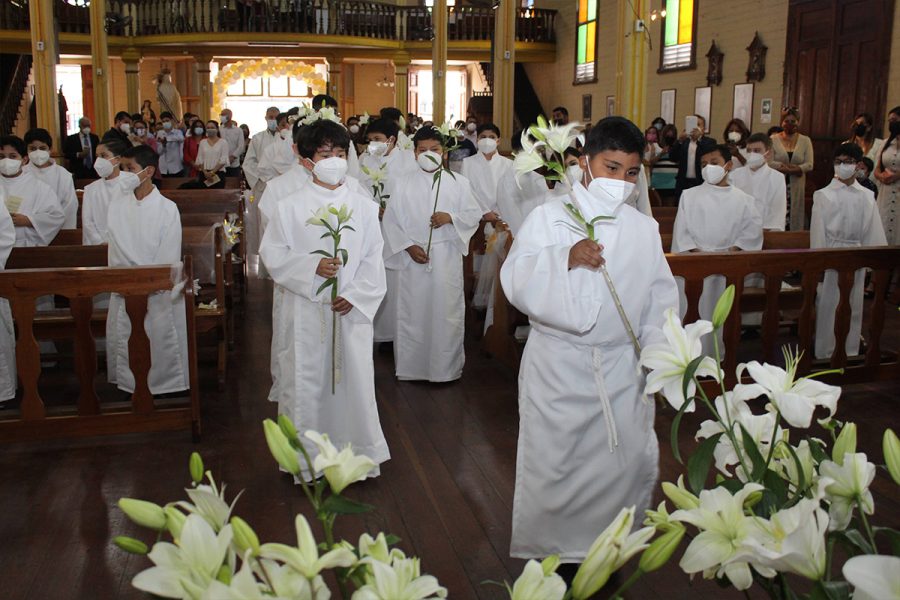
447 491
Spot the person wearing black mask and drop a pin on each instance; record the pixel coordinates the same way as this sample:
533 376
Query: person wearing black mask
792 156
665 170
887 172
862 133
686 151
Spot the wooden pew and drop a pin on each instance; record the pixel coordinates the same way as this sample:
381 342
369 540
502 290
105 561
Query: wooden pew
665 216
772 240
34 421
169 183
499 341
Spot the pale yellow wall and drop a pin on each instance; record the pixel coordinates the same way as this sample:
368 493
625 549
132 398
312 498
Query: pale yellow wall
367 96
893 95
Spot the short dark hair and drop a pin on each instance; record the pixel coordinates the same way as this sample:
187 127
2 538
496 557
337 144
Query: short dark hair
870 164
722 149
143 155
16 142
122 115
166 115
774 129
136 117
392 113
615 133
427 133
320 100
388 127
116 145
561 109
572 151
487 127
281 118
516 140
38 135
849 149
762 138
323 132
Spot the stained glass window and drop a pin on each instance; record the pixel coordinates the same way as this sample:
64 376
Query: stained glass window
678 34
586 46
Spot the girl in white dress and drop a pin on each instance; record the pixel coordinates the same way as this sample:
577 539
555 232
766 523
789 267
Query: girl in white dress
887 172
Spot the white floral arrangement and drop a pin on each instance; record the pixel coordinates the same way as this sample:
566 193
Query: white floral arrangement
325 113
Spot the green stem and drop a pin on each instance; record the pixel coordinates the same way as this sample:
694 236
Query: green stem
434 210
628 583
829 552
866 526
334 291
265 575
727 427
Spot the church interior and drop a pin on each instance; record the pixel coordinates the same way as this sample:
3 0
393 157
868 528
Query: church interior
523 441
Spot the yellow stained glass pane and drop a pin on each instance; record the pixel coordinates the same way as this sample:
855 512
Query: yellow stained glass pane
582 11
686 21
591 41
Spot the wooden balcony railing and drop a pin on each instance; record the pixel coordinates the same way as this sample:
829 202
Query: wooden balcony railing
319 17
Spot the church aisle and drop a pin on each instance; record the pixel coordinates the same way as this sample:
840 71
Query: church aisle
447 491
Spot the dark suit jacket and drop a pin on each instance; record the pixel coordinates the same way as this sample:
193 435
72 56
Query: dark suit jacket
71 148
679 153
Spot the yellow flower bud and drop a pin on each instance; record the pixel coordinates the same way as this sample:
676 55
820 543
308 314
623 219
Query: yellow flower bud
281 448
661 549
845 443
891 447
130 545
244 536
145 514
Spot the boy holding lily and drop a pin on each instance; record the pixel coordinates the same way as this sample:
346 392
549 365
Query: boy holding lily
324 249
586 441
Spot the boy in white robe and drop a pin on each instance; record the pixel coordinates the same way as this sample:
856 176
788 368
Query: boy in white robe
32 204
144 228
259 142
844 215
586 441
715 217
99 194
428 343
383 161
348 414
485 169
39 143
7 332
764 183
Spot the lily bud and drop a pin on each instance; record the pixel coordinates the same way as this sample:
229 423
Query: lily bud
753 499
723 307
659 519
131 545
845 443
281 448
244 536
661 549
145 514
195 465
891 446
550 564
679 496
287 427
174 521
224 574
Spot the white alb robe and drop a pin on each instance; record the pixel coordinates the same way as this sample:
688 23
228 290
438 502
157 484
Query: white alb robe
586 441
768 189
95 208
713 218
304 355
257 184
37 201
141 233
843 216
7 331
640 196
61 182
484 175
428 343
255 152
516 199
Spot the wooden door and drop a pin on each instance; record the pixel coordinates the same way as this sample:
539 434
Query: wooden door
836 66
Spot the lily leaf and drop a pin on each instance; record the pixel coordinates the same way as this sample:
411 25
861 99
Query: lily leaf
831 590
328 282
751 450
341 505
799 466
676 424
344 255
699 463
323 253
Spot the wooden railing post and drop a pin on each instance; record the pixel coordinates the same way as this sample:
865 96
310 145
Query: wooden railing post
28 358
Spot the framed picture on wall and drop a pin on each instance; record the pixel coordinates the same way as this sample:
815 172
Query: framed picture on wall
667 105
703 104
743 104
587 101
610 106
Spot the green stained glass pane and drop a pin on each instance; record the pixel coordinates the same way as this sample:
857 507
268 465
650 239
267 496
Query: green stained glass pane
672 22
582 44
592 10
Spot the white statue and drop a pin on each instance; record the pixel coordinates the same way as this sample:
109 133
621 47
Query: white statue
167 94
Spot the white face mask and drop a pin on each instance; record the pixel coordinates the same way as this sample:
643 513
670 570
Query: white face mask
39 157
354 129
104 167
844 171
429 161
471 127
487 145
377 148
140 131
10 167
861 175
734 137
129 181
125 128
198 130
575 174
331 171
713 174
85 130
755 160
271 124
610 190
223 119
167 125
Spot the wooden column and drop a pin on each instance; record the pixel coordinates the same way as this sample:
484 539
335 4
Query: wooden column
504 69
132 58
401 82
335 76
100 64
439 60
45 50
205 98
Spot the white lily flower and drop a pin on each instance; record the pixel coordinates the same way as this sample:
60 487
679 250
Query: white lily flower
534 584
288 583
848 486
188 569
793 540
609 552
721 547
788 468
244 586
668 360
209 503
377 548
305 557
795 399
320 215
340 468
404 142
733 410
401 580
874 576
364 120
560 137
526 162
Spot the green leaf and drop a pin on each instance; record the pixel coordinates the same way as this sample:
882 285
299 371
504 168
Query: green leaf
830 590
323 253
817 449
750 449
732 485
344 255
699 463
688 376
676 424
392 540
800 474
328 282
854 542
349 228
341 505
775 494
